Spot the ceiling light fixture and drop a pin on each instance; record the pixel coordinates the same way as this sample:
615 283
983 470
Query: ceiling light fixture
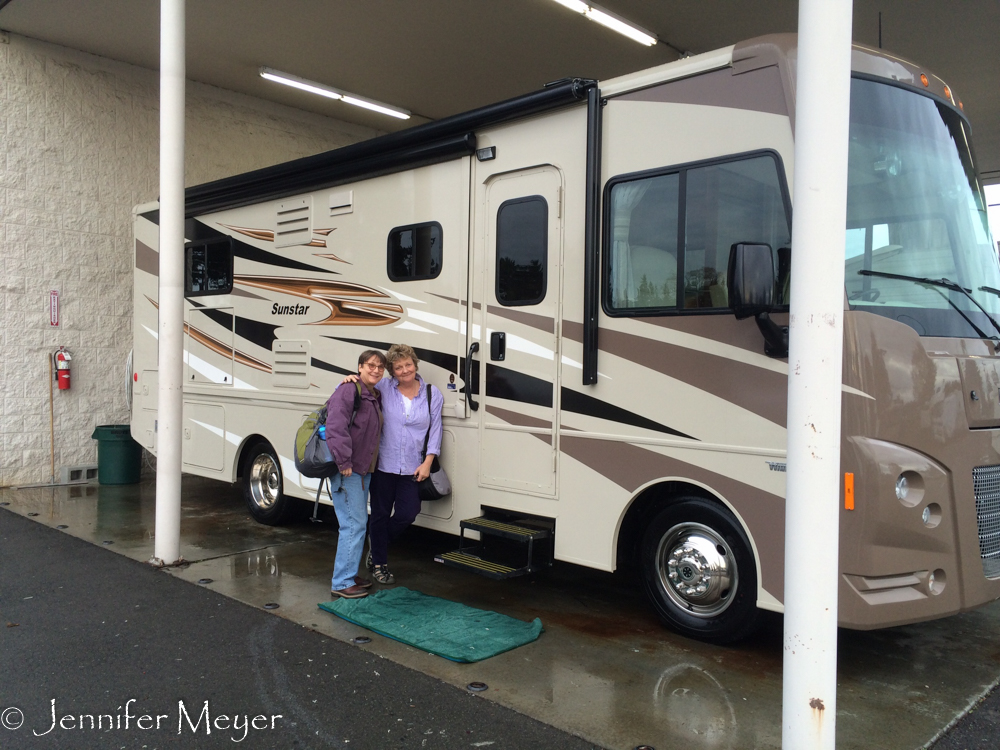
611 20
331 93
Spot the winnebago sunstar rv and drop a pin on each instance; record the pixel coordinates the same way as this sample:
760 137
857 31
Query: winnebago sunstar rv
589 274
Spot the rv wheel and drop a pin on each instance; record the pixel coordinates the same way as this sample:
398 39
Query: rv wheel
262 486
699 573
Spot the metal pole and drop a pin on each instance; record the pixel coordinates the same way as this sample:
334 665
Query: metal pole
171 291
812 522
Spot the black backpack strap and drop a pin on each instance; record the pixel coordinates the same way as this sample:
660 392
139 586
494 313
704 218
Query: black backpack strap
430 417
357 403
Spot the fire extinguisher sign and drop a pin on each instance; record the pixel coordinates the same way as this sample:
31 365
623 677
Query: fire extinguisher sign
54 308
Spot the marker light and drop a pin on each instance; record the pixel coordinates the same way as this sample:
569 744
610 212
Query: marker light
331 93
947 93
923 79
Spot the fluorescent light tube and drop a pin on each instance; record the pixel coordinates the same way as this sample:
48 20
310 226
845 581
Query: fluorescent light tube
610 20
300 83
328 91
622 27
385 109
577 5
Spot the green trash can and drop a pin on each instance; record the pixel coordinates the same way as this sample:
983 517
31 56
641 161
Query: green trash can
119 457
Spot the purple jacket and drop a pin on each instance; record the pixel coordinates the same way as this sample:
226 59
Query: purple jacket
353 450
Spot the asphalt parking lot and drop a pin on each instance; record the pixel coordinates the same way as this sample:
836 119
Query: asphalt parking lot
604 674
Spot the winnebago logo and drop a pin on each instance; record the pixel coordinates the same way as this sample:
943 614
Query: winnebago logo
277 309
776 466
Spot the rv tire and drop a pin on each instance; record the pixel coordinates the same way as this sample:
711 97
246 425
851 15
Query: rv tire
699 572
262 484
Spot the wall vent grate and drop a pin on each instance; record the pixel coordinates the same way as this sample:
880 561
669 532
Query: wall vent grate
78 474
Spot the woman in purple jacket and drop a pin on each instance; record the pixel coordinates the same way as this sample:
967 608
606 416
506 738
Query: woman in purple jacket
353 439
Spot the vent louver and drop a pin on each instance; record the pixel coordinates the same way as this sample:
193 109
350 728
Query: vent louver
294 225
291 364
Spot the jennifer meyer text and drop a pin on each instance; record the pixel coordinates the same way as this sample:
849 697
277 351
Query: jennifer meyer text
54 722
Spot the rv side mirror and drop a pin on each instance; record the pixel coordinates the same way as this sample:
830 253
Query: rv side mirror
751 279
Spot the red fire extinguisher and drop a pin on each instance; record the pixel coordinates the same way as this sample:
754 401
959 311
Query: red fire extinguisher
62 359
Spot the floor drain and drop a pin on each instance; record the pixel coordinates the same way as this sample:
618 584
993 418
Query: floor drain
203 581
107 542
5 504
271 605
62 526
32 514
361 640
476 687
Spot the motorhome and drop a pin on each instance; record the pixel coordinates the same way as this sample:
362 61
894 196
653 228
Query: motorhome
595 275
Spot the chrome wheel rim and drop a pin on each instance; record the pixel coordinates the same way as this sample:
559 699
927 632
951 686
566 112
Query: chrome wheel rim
697 570
265 481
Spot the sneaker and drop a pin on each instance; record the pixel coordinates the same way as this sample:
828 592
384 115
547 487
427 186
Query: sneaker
382 575
362 583
368 560
351 592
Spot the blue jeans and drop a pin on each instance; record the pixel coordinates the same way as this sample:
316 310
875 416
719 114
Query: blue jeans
351 504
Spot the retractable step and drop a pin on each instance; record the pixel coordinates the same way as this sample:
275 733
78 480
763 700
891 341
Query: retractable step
509 545
467 559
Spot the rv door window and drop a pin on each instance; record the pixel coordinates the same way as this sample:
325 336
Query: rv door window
415 252
208 267
522 250
702 208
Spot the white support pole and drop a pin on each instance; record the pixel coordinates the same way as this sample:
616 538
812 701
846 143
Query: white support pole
812 522
171 293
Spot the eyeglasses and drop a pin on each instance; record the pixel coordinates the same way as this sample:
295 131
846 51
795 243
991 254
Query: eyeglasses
374 365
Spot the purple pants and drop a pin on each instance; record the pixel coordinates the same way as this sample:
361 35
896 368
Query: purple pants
395 504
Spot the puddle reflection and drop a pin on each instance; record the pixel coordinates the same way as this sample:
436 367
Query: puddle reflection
689 700
261 564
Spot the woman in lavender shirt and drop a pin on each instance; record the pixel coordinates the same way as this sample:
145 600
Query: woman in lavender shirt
395 502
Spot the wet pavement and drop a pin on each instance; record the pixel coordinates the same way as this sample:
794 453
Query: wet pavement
604 669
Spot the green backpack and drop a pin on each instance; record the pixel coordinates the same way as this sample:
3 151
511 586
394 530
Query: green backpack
311 453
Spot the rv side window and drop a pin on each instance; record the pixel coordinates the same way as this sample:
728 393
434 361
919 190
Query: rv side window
668 235
208 267
415 252
522 250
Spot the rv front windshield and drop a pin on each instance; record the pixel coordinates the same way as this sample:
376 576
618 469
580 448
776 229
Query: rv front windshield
915 210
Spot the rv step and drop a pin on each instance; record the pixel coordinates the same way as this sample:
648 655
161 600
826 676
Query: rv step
462 559
486 525
508 546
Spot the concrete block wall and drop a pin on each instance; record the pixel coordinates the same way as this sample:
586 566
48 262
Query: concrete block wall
78 149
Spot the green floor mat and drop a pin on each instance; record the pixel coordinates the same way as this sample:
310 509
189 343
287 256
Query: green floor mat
448 629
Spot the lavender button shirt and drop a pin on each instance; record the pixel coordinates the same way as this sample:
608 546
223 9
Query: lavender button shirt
403 436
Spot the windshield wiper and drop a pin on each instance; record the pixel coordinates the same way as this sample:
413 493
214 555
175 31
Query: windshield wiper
946 284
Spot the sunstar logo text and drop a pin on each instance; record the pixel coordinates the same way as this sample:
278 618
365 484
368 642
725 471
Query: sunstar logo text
277 309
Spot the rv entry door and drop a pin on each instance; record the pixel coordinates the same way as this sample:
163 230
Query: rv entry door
519 352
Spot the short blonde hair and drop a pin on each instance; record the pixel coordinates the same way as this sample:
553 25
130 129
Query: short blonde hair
399 352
